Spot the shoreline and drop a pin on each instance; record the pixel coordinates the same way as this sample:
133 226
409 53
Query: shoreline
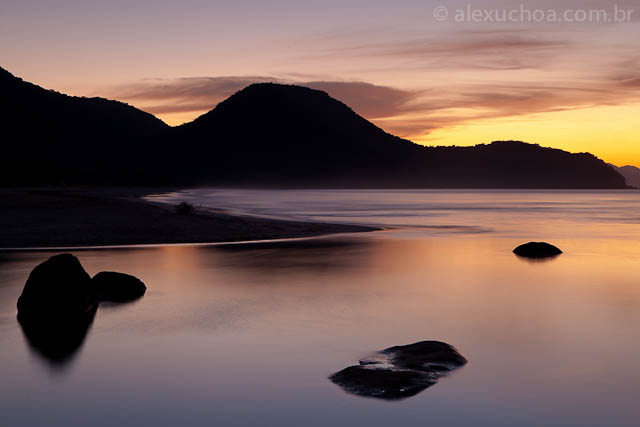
42 219
159 245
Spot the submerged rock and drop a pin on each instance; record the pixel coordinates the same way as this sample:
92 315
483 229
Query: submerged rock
537 250
57 291
117 287
401 371
365 380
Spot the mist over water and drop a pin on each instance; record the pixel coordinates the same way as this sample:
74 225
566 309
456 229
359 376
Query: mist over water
552 214
248 334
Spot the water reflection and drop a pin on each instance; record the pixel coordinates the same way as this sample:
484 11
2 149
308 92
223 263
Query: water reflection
537 260
57 343
316 255
118 306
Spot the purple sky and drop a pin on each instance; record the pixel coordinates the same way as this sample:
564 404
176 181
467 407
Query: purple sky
571 85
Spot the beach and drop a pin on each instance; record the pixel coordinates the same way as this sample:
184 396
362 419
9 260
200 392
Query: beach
74 217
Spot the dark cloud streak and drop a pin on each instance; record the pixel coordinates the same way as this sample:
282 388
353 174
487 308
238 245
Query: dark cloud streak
194 94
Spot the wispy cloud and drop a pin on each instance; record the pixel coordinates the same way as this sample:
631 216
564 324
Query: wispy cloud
527 73
507 49
187 94
404 112
369 100
199 94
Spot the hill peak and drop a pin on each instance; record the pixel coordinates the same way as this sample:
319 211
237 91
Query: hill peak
275 99
275 87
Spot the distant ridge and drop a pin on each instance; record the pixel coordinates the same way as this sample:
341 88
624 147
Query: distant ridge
264 135
631 174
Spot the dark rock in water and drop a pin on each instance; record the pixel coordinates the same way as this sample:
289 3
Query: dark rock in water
57 342
117 287
389 384
59 301
57 291
427 356
537 250
56 308
401 371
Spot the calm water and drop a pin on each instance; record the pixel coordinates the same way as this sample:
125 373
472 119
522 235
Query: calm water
247 335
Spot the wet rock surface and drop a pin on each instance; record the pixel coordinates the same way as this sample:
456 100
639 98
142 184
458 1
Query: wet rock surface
401 371
364 380
425 356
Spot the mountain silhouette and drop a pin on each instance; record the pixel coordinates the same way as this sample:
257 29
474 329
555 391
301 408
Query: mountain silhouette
631 174
273 134
52 138
264 135
291 135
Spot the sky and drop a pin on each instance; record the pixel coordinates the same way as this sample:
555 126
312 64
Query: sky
563 73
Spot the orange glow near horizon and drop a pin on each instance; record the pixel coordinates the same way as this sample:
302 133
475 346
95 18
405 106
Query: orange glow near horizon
611 133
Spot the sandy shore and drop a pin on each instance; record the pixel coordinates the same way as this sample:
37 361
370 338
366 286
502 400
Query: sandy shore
81 217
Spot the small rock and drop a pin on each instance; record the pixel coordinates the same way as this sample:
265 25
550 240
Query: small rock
117 287
537 250
401 371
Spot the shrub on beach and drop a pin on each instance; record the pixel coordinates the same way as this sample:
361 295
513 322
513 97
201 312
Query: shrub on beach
185 208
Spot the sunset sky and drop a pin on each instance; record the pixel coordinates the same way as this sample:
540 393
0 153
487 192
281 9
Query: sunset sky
434 80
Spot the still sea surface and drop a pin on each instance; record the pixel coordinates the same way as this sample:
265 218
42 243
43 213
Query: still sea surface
243 335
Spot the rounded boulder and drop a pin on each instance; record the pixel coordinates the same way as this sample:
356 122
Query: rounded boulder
58 289
117 287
